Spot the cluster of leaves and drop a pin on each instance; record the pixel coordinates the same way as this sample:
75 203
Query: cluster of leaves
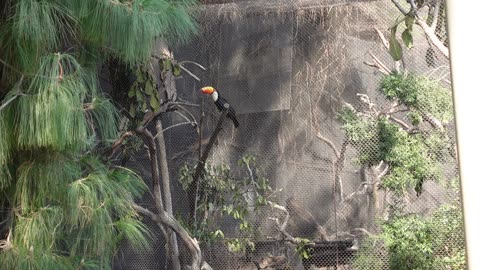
408 158
143 93
407 155
415 242
222 194
304 248
422 95
413 158
362 132
395 48
437 242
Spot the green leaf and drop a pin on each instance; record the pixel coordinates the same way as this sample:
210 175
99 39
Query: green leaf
140 76
176 70
409 20
131 93
140 96
154 103
167 65
218 233
149 89
132 110
395 48
407 38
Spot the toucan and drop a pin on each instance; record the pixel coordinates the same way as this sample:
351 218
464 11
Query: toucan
219 102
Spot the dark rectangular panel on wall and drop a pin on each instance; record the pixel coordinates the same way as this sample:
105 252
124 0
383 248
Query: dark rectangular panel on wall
256 63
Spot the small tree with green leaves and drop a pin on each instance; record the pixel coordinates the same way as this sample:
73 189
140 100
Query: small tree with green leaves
63 206
224 194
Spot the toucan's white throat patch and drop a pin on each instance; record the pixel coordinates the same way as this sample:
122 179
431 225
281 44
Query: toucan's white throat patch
215 96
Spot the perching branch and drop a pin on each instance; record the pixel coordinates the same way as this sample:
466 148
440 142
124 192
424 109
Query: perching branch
400 122
194 186
377 67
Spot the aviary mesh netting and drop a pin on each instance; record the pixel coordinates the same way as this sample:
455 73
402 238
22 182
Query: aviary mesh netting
310 179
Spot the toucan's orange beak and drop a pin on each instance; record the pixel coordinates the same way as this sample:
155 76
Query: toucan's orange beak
208 90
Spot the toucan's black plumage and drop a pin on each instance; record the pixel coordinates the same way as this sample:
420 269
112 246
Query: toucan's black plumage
220 102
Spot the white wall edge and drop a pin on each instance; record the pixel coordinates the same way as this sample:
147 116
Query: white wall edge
463 22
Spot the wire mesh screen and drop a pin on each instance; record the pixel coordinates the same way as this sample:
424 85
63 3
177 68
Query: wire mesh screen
302 195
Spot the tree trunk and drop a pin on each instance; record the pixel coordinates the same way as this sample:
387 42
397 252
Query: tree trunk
167 195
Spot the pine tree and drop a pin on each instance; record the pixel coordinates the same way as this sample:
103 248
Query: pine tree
61 206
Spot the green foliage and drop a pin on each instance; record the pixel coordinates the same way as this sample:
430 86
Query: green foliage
362 133
412 158
222 194
129 28
304 249
437 242
67 209
409 242
394 48
93 215
420 94
143 94
105 118
371 255
5 141
408 157
416 242
377 140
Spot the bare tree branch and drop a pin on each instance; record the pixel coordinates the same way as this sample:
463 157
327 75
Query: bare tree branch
382 174
329 143
152 148
282 226
399 7
379 63
167 195
413 6
385 43
339 163
400 122
430 32
163 218
377 67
